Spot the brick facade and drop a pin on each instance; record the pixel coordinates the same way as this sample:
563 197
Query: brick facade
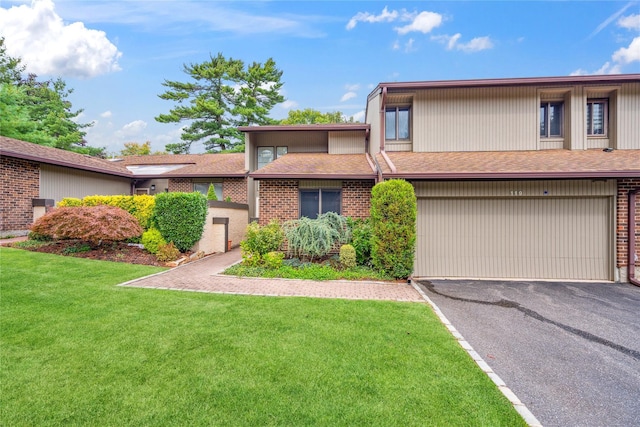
622 221
356 198
182 185
279 199
235 189
20 185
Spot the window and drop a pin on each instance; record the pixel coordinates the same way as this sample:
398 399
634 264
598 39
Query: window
203 187
267 155
319 201
397 123
551 119
597 117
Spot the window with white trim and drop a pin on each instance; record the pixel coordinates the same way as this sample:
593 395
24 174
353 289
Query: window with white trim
551 125
318 201
597 117
396 123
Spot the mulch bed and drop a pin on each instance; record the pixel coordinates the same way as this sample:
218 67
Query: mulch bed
117 252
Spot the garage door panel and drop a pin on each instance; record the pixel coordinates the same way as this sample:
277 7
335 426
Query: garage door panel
514 238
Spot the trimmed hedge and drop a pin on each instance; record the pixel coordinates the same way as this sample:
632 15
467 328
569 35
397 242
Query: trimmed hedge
393 219
140 206
180 218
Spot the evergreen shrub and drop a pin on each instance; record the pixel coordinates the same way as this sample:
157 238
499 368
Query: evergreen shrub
347 256
361 239
167 252
260 240
311 238
152 240
211 193
140 206
393 220
180 218
273 260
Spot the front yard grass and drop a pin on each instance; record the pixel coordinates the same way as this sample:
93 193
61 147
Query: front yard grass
78 350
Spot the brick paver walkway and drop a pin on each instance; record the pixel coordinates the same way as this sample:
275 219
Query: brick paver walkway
203 276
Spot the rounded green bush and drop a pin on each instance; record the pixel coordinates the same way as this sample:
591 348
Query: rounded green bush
152 240
347 256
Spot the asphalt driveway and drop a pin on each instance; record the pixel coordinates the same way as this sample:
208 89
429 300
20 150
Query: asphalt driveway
569 351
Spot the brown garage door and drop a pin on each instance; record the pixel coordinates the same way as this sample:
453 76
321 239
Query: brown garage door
541 238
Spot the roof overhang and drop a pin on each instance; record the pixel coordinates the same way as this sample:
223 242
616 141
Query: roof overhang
513 175
306 128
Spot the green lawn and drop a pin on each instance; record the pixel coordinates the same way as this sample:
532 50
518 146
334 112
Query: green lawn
78 350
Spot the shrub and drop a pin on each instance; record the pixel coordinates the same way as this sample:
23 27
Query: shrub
167 252
273 260
91 224
361 239
211 193
393 221
180 218
140 206
69 202
152 239
347 256
260 240
312 238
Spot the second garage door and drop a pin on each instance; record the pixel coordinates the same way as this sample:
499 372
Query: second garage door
538 238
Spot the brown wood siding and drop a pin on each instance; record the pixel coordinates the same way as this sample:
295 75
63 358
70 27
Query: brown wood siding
477 119
352 142
57 183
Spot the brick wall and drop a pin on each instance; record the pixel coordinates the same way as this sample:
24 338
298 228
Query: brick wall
20 184
279 199
183 185
356 198
236 189
622 223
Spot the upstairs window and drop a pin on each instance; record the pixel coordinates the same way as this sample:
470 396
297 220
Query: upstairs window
267 155
551 119
397 123
597 117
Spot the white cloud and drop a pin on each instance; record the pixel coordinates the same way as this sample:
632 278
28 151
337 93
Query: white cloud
133 128
385 16
610 19
48 46
106 114
626 55
359 116
347 96
352 87
288 105
631 22
424 22
475 45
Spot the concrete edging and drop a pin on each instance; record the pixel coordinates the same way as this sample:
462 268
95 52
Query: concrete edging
520 407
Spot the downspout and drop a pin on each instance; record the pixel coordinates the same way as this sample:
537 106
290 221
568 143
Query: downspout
383 105
631 233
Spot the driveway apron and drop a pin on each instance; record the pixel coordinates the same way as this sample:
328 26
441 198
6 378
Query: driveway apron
569 351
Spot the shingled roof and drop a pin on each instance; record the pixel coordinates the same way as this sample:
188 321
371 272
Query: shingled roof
193 165
10 147
594 163
318 166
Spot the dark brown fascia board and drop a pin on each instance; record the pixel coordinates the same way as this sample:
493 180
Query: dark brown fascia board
516 81
200 175
513 175
312 176
23 156
318 127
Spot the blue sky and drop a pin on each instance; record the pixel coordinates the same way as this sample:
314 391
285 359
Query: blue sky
116 54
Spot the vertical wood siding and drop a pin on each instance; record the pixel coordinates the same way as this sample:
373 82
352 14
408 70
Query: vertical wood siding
515 238
296 142
58 182
628 117
352 142
477 119
373 118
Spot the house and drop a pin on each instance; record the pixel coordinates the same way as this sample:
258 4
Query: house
34 175
515 178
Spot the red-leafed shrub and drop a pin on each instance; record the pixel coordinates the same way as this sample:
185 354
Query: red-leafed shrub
92 224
